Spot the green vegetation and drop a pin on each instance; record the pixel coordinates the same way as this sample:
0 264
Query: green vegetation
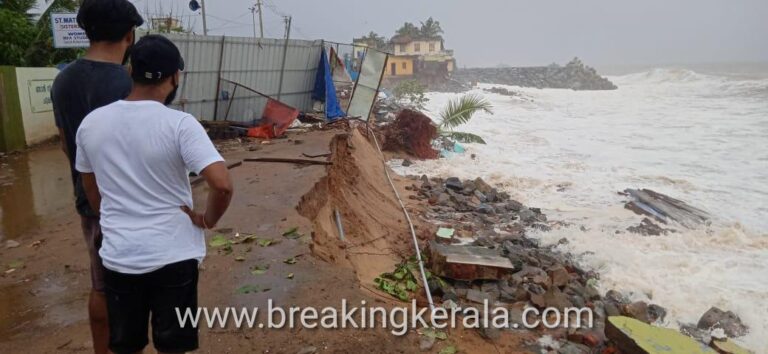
429 29
26 41
410 94
375 40
459 112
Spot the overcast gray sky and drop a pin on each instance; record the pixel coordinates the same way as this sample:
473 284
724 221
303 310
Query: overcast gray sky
529 32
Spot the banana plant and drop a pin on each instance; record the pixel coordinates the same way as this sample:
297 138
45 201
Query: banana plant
460 111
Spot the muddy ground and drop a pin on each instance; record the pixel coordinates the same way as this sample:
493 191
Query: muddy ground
43 301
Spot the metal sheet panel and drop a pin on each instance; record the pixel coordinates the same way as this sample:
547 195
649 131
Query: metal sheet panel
367 86
253 62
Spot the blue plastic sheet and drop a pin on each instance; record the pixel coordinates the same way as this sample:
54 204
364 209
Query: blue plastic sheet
325 91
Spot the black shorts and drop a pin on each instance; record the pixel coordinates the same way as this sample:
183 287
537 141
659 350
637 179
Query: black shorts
133 298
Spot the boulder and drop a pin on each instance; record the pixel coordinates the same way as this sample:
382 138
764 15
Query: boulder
559 276
728 321
454 183
483 187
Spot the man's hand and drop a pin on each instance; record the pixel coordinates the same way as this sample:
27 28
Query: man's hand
197 218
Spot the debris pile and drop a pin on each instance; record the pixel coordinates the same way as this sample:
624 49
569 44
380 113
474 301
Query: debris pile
574 75
412 132
481 253
664 208
502 91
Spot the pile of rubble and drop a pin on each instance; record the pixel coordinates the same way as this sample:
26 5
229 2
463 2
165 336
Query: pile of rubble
481 253
574 75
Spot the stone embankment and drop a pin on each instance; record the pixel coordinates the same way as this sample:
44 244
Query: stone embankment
574 75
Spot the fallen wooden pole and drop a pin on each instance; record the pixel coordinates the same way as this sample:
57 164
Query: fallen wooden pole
284 160
195 181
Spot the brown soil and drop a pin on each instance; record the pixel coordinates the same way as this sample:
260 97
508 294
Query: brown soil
43 304
412 132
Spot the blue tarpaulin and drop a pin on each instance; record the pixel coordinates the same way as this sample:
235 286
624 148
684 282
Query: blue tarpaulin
325 91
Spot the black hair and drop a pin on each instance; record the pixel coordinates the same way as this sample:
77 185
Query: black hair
108 20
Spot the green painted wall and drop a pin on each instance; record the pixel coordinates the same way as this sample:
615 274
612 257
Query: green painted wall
11 123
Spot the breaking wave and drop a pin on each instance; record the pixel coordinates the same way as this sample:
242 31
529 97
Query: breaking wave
697 137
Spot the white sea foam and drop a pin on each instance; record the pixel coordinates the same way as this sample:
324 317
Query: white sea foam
696 137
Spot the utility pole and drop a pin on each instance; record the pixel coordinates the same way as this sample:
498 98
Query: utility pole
261 19
253 15
288 20
285 54
254 10
205 23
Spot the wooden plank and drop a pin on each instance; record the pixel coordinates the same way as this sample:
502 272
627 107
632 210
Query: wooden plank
198 179
288 160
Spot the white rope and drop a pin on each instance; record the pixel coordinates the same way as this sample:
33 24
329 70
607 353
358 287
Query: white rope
410 223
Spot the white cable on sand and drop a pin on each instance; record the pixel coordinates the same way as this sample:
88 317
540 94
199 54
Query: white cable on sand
408 218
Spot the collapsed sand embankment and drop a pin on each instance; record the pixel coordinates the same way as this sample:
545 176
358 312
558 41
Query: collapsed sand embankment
376 235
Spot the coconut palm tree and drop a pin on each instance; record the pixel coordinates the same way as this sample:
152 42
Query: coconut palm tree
375 40
408 29
460 111
20 6
431 28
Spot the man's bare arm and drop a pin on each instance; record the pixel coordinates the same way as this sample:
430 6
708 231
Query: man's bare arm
217 177
91 191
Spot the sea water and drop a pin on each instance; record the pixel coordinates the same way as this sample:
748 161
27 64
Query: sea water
696 137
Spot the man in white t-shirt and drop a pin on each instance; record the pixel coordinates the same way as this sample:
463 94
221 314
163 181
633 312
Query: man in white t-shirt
135 156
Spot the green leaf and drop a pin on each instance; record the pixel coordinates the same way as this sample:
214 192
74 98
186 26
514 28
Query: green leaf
266 242
291 260
433 333
245 289
451 349
464 137
218 241
245 238
259 270
292 233
460 111
16 264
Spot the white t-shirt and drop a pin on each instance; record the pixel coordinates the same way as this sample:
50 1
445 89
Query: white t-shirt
141 153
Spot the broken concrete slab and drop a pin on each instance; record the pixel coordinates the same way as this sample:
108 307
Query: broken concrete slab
468 262
727 346
665 208
635 337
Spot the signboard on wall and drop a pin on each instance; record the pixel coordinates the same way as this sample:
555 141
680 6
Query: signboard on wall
66 32
40 95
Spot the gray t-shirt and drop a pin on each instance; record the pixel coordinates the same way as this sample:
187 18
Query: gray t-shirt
80 88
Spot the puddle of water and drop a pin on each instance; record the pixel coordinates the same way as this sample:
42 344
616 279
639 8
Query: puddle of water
34 185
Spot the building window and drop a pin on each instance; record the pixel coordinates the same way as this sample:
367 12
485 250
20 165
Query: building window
402 48
431 47
405 65
417 47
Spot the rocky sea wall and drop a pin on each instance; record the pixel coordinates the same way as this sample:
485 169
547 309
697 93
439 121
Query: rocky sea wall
574 75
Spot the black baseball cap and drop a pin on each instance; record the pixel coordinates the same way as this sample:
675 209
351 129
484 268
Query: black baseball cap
154 58
108 20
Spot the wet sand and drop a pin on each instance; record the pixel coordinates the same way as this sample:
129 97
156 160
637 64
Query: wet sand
43 303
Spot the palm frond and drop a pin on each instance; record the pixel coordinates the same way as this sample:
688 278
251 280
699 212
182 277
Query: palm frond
461 110
465 137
